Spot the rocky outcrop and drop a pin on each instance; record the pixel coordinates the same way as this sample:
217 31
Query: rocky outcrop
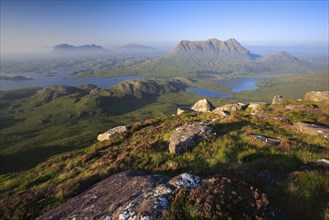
203 105
182 110
256 106
127 195
278 99
106 135
231 107
317 96
187 136
312 129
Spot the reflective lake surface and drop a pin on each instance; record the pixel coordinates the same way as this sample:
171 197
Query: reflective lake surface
236 85
60 78
239 84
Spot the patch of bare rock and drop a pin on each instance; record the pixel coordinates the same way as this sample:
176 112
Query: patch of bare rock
203 105
312 129
317 96
184 138
127 195
106 135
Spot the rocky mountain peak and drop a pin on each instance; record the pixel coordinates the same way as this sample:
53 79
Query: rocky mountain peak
212 48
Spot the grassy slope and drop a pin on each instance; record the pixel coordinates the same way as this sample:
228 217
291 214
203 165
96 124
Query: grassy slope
232 153
31 134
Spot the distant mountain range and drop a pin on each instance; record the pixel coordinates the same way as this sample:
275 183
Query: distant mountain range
70 49
210 56
216 56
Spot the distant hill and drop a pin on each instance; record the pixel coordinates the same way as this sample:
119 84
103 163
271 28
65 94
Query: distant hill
70 49
136 47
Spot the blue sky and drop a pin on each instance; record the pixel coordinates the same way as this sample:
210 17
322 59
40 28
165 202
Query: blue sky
33 26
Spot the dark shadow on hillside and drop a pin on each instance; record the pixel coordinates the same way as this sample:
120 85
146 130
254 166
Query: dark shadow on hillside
225 128
125 104
6 122
28 159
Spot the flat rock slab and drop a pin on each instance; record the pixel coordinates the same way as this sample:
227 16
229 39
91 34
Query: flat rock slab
127 195
106 135
187 136
312 129
268 140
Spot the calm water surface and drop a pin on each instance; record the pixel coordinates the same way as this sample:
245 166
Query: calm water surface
236 85
60 78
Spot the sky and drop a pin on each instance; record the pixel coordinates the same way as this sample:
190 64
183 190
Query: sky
35 26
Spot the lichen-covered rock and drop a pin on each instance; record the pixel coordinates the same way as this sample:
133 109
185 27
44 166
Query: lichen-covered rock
231 107
278 99
312 129
127 195
106 135
317 96
186 180
203 105
187 136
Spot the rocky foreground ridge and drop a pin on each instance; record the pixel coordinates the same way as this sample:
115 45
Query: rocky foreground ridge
241 160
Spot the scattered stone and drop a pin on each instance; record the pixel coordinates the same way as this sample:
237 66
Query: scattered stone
278 99
182 110
255 106
322 163
117 130
312 129
127 195
317 96
232 107
268 140
203 105
187 136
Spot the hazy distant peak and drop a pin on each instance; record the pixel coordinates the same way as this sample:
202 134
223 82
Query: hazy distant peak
67 48
136 46
279 55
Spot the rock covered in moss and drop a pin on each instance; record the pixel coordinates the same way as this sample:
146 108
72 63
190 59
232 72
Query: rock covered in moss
106 135
203 105
187 136
317 96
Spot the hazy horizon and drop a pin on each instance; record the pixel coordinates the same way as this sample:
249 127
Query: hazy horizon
37 26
